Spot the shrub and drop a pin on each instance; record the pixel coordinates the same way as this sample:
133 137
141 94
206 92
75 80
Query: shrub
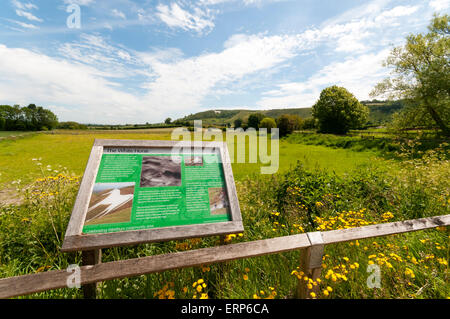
337 111
254 120
288 123
268 123
237 123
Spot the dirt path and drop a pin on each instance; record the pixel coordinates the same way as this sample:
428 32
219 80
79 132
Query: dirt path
9 196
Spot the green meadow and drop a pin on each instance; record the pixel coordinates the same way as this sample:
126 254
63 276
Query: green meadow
69 151
323 183
11 133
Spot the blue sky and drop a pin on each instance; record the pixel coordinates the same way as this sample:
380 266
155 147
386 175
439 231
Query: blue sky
143 61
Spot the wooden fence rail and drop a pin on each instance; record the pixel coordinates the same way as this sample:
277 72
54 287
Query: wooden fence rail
311 245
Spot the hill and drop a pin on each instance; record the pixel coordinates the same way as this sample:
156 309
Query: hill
380 113
224 117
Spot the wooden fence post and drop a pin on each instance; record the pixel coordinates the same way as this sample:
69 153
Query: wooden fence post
311 265
91 257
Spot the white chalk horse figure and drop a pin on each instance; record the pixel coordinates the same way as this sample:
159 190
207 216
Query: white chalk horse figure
114 200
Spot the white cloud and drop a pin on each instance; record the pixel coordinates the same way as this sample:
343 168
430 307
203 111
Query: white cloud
118 14
357 74
110 61
214 2
24 25
64 84
22 10
28 15
439 5
360 29
176 17
79 2
244 2
396 12
96 73
23 6
181 84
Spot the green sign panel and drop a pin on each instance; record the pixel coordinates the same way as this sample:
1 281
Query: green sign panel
134 190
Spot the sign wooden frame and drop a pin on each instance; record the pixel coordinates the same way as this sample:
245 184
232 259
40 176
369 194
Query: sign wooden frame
75 240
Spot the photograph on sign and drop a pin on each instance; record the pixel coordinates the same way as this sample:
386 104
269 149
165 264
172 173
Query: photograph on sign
136 190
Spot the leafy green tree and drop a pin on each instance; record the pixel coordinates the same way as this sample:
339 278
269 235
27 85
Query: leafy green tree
32 118
288 123
47 119
237 123
268 123
421 75
5 110
70 125
309 123
254 120
168 120
337 111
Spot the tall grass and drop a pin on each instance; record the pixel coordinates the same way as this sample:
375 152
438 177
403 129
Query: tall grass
387 145
70 151
413 265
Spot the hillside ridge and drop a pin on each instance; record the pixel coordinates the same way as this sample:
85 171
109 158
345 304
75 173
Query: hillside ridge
380 113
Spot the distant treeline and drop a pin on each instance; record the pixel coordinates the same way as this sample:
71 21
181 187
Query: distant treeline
129 126
72 126
381 112
27 118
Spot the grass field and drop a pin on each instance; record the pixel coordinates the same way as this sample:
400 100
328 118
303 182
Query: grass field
12 133
69 151
333 187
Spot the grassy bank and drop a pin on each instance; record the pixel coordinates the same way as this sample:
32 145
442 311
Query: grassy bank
331 188
69 150
413 265
385 145
13 133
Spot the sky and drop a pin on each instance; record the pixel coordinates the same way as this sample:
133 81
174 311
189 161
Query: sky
139 61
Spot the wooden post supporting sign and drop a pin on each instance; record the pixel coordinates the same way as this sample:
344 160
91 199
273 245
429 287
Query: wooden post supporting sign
91 257
311 265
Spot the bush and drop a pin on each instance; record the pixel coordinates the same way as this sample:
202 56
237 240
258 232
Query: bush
309 124
268 123
288 123
29 118
337 111
72 126
254 120
295 202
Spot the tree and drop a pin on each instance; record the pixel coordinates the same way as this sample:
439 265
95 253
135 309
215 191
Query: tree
268 123
421 74
237 123
168 120
287 124
254 120
5 110
309 123
31 118
47 119
337 111
72 126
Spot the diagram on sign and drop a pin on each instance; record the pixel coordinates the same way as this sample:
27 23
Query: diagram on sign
160 171
143 191
110 203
